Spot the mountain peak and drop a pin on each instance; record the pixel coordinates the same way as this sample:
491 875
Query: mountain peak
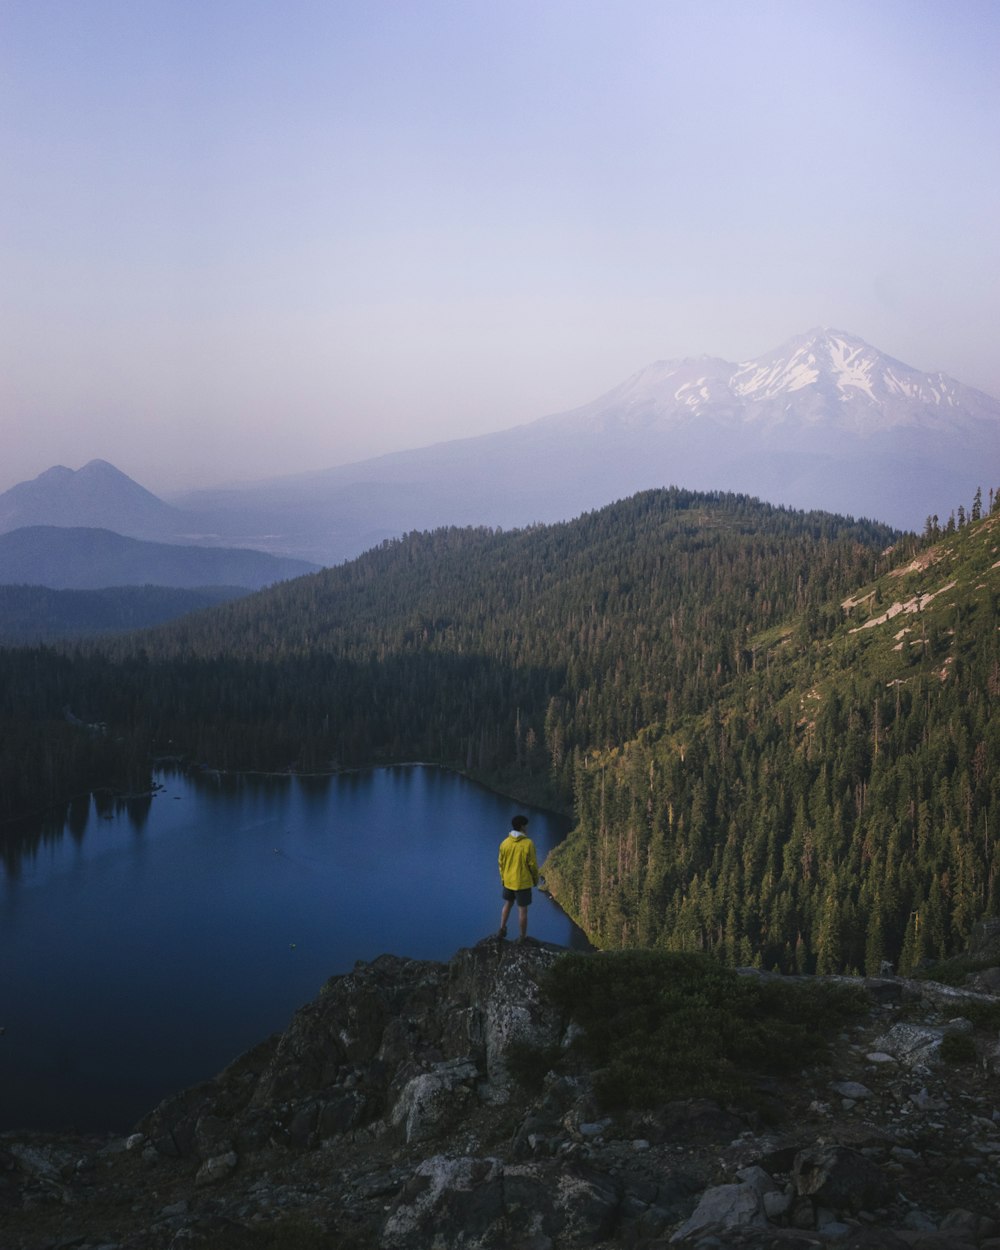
97 496
94 467
828 359
851 383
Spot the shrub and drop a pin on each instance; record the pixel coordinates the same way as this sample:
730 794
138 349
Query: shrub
660 1025
958 1048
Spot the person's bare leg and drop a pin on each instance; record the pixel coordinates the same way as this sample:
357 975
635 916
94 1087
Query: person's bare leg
504 916
522 920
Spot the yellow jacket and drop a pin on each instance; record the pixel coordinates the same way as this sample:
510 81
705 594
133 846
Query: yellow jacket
518 865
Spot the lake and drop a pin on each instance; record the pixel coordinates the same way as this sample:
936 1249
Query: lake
145 945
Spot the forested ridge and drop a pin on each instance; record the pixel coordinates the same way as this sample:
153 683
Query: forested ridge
643 663
497 652
834 808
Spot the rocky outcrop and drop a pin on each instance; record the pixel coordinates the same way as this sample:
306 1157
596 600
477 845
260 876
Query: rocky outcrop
401 1109
396 1045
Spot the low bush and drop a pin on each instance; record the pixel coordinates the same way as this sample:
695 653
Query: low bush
658 1025
958 1048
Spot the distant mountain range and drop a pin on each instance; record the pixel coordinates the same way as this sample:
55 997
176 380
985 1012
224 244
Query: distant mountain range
65 558
824 422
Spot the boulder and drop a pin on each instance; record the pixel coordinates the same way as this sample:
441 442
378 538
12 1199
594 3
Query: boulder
839 1178
497 983
911 1044
217 1169
434 1101
585 1206
449 1202
723 1207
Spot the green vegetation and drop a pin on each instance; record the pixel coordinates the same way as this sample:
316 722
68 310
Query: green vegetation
953 971
32 614
838 809
659 1026
958 1048
775 729
508 655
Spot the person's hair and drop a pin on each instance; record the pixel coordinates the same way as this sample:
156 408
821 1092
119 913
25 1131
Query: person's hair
518 822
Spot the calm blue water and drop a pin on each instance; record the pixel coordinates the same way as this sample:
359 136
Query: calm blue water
142 950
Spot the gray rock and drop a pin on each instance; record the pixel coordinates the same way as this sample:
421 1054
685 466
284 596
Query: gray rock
777 1204
434 1100
839 1178
456 1201
758 1180
918 1222
986 981
961 1219
175 1209
923 1101
39 1164
217 1169
852 1090
585 1206
911 1044
512 1012
344 1110
595 1129
724 1207
212 1136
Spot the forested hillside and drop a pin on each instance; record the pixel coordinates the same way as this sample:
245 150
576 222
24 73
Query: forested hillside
497 650
504 653
760 764
838 806
40 614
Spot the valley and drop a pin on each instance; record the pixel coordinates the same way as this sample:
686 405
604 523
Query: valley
750 773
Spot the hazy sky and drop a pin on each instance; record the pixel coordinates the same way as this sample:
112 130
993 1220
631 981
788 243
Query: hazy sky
242 238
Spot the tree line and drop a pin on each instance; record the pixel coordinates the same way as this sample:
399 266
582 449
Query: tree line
648 664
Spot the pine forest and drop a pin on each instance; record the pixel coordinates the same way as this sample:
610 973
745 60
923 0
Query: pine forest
773 729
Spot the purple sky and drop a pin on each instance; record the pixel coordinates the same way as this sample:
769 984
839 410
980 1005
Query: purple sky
243 238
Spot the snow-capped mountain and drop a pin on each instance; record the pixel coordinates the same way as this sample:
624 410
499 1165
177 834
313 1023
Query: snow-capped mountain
825 421
854 375
825 378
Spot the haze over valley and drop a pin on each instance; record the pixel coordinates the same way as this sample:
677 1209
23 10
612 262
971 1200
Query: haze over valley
825 422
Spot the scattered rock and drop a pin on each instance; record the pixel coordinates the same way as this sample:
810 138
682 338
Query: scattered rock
391 1114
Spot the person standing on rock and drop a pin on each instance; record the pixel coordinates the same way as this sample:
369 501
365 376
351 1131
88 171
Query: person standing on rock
518 873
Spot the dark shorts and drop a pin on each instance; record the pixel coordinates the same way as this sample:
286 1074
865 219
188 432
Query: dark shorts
523 897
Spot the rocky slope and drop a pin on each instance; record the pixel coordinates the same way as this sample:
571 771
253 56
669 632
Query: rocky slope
393 1112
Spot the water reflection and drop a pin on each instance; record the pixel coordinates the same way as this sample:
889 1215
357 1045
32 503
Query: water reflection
22 839
146 942
77 816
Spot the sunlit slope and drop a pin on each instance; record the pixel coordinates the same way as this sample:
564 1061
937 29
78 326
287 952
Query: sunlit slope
837 805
